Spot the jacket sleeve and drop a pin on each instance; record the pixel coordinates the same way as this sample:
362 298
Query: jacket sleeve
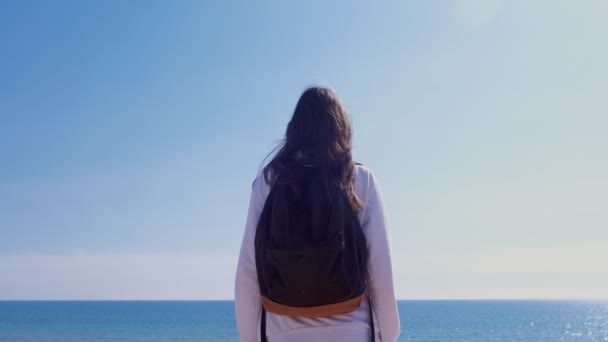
380 275
247 294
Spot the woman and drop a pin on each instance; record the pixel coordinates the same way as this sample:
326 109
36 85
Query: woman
320 128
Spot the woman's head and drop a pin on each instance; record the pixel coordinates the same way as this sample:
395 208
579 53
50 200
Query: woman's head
319 123
319 128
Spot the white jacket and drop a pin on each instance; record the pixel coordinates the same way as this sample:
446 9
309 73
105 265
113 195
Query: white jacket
353 326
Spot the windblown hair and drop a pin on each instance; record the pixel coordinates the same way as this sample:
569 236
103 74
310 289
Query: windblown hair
319 130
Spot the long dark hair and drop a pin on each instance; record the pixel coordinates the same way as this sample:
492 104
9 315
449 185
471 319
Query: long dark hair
319 129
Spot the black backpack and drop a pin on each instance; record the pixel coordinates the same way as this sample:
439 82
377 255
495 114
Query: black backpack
310 251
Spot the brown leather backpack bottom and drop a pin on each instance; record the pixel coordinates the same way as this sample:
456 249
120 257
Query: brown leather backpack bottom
312 311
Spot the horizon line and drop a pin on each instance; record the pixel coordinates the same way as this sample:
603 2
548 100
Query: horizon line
232 300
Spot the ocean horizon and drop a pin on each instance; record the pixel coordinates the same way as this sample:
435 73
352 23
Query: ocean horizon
213 320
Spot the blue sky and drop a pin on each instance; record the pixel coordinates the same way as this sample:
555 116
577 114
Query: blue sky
130 133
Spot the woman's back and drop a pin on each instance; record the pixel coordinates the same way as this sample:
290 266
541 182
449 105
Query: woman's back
353 326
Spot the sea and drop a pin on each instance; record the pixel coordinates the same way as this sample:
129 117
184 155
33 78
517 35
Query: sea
189 321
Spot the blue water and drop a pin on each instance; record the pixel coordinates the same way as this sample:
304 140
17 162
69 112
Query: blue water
472 321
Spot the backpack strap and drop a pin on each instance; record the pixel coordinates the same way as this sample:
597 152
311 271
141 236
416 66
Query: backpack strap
263 336
371 318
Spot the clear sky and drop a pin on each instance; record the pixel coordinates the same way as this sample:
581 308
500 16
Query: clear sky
130 133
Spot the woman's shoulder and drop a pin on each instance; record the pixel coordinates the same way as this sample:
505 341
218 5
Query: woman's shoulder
364 174
259 178
365 180
260 186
